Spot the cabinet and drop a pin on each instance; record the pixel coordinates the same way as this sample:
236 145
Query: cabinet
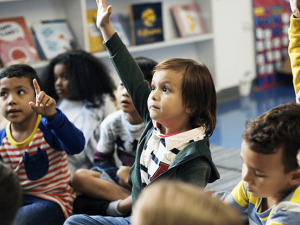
227 48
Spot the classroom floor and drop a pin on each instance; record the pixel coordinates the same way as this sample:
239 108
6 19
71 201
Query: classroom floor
231 115
226 139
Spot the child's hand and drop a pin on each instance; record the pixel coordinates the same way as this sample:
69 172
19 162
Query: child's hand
295 6
298 97
103 22
123 174
45 105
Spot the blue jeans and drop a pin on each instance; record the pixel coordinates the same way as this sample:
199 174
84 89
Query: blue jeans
37 211
96 220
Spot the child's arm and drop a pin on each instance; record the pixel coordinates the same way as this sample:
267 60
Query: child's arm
66 136
294 49
125 65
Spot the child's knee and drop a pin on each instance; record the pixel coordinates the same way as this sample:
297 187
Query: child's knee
79 177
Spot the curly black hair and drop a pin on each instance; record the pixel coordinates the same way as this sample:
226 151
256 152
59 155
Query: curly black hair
88 77
278 128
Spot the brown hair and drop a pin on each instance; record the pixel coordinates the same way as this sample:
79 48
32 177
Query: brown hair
275 129
198 91
175 202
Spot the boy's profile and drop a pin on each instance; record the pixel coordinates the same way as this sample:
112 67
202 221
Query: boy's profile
34 144
271 174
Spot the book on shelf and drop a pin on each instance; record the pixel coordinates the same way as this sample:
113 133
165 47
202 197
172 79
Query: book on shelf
94 34
146 23
16 43
121 26
53 37
188 19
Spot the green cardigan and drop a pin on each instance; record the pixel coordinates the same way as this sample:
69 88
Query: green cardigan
194 163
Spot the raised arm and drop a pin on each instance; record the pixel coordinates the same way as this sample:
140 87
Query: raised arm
294 50
103 22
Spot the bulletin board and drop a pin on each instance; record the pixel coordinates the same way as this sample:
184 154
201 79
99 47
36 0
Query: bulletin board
271 20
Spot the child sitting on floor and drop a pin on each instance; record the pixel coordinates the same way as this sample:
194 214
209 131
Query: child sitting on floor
271 174
34 144
81 84
179 113
120 132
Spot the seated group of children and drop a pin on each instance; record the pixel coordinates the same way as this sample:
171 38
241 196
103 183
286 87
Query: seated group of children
60 157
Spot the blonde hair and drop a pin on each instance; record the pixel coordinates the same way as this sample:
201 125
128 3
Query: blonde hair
175 202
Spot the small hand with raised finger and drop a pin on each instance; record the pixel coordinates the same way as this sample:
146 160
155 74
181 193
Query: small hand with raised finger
103 13
45 105
295 7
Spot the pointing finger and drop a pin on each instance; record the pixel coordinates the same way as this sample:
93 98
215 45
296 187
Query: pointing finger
36 87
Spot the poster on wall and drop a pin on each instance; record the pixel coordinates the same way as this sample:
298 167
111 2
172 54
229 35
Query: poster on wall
271 20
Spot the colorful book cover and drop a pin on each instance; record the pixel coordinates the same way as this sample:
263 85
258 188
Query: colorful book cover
16 44
54 37
121 26
146 23
94 35
188 19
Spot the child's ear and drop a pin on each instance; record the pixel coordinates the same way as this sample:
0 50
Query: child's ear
295 177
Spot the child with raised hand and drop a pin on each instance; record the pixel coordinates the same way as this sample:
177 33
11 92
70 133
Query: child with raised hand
10 194
120 132
174 202
271 174
179 113
79 82
34 144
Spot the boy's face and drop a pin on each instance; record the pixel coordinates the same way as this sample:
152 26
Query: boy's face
124 99
61 82
16 93
165 100
264 174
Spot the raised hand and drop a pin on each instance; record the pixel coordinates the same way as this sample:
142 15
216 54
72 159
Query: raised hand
44 105
103 22
295 7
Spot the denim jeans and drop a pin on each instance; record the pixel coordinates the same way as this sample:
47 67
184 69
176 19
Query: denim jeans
37 211
96 220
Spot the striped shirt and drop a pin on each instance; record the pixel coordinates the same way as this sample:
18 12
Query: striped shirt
287 211
161 150
43 171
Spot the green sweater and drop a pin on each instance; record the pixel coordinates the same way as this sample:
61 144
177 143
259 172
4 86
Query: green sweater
194 163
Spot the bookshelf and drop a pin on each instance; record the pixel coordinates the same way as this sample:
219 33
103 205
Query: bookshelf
221 48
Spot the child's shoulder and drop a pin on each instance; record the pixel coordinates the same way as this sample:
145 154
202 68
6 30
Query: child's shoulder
114 117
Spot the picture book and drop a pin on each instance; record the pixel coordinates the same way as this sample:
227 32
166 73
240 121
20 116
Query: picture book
53 37
121 26
188 20
146 23
94 34
16 44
